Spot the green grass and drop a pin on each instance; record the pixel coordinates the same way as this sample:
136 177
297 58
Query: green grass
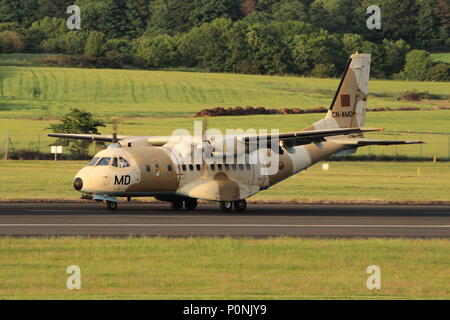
31 134
42 92
344 182
195 268
444 57
23 59
157 102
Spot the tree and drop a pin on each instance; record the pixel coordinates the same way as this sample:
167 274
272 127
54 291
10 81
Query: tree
170 17
209 10
317 48
418 63
77 121
352 43
95 44
11 41
290 11
207 45
440 72
72 42
158 52
248 7
50 27
427 24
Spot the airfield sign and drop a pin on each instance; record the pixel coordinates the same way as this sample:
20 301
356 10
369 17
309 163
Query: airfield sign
56 150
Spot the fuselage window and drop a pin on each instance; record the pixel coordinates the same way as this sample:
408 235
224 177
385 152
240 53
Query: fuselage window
247 166
241 166
169 167
227 167
191 167
219 167
104 161
114 162
93 161
183 167
123 163
234 167
199 167
147 167
213 167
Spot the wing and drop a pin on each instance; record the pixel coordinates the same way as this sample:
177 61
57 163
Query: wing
307 137
92 137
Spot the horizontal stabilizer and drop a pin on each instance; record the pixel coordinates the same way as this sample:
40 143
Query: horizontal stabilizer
307 137
368 142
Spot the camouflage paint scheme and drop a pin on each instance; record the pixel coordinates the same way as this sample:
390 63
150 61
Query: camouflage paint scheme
156 169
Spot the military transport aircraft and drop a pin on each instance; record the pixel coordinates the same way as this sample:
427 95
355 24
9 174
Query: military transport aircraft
162 166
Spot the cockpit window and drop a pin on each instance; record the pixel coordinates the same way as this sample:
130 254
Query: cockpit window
93 161
123 163
104 161
114 162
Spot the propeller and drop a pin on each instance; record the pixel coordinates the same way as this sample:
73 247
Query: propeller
114 129
204 143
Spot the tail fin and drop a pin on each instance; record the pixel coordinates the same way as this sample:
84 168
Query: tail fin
349 104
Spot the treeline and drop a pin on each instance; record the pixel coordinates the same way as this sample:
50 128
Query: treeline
303 37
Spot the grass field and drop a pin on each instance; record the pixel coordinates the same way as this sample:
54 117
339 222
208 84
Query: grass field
31 134
42 92
344 182
279 268
156 102
444 57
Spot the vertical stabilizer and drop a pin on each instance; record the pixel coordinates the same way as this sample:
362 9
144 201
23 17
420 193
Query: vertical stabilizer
348 108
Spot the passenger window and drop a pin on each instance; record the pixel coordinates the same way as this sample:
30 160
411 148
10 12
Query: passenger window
241 166
213 167
191 167
147 167
248 166
169 167
123 163
227 167
183 167
234 167
219 167
104 162
114 162
199 167
93 161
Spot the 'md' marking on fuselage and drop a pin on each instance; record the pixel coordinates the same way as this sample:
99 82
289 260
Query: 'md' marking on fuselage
124 180
342 114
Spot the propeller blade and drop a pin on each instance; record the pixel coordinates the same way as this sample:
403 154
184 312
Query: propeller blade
114 129
204 140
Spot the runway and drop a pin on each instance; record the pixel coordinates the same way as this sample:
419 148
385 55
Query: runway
260 220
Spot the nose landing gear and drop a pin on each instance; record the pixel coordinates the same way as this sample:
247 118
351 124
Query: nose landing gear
111 205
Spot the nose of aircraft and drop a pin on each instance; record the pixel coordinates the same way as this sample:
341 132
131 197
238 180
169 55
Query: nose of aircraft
78 184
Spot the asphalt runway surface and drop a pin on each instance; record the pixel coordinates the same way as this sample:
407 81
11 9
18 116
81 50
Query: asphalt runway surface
260 220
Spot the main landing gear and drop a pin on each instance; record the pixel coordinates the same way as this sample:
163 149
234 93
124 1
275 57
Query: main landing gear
239 205
189 204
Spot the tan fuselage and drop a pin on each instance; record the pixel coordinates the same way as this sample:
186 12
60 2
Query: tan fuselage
159 172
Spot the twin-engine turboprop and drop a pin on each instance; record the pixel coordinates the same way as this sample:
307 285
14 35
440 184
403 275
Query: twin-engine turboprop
227 169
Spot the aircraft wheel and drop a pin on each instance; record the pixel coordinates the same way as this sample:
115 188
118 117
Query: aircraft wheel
111 205
226 205
240 205
190 204
176 205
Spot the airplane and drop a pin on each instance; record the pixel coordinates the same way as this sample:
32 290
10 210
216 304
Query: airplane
160 166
